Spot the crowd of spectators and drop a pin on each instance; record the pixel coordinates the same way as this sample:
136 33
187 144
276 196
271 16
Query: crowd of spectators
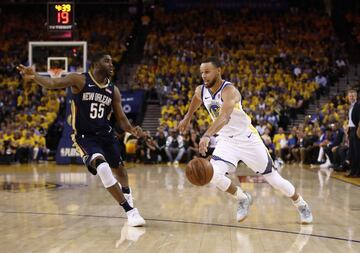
109 34
27 111
321 139
166 146
279 62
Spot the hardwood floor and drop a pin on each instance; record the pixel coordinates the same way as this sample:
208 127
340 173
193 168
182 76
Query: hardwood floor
53 208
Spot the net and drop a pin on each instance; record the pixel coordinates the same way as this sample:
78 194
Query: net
56 72
71 56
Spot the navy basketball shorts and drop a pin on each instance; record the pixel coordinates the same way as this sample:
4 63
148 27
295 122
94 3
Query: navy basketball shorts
106 145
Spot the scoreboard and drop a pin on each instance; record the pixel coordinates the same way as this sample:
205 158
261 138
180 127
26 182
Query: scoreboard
60 16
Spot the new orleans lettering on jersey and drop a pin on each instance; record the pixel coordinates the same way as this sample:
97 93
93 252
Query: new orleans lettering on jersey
96 97
91 108
239 121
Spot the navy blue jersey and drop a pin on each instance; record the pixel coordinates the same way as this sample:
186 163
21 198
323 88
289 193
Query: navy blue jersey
92 107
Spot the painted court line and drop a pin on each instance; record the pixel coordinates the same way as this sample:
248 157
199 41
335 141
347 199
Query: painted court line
190 222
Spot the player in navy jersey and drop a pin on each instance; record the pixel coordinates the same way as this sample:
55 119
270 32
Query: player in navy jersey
94 99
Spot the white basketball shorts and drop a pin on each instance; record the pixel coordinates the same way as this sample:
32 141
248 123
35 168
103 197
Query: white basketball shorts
248 148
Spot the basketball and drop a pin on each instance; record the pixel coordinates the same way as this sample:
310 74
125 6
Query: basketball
199 171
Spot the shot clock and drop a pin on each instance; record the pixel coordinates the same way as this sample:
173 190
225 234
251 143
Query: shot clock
60 16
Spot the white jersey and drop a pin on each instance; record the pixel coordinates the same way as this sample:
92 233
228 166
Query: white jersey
239 122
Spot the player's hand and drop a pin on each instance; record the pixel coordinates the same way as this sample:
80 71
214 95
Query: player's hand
26 72
183 125
137 131
203 145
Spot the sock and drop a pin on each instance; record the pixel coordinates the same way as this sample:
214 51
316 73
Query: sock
239 194
126 206
299 202
126 190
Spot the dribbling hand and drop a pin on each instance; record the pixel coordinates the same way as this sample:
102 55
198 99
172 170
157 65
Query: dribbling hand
26 72
203 145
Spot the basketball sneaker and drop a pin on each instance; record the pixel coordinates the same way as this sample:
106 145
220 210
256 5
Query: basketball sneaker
134 218
305 214
243 209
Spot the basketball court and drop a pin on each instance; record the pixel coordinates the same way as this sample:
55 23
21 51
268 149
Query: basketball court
54 208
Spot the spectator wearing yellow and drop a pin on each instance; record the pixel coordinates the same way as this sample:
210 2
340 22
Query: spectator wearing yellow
168 108
40 151
279 140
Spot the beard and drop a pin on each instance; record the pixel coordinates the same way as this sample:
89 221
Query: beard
211 83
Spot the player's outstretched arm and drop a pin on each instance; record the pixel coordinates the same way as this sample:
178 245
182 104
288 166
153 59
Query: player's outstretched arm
120 116
75 80
194 105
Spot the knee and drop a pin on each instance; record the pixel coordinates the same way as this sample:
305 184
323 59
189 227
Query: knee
105 173
90 162
273 179
220 181
94 159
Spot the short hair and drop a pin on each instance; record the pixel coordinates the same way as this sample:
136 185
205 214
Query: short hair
352 90
97 57
215 61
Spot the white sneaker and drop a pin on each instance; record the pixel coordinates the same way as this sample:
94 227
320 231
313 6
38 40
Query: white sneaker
134 218
305 214
176 163
243 209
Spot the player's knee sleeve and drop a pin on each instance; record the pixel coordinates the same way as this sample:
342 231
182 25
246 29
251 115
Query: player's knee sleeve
105 174
219 179
88 162
278 182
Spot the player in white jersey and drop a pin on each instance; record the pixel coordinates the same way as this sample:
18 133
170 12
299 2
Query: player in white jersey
237 140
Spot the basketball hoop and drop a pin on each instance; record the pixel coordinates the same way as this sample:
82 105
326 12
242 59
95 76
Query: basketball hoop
55 72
